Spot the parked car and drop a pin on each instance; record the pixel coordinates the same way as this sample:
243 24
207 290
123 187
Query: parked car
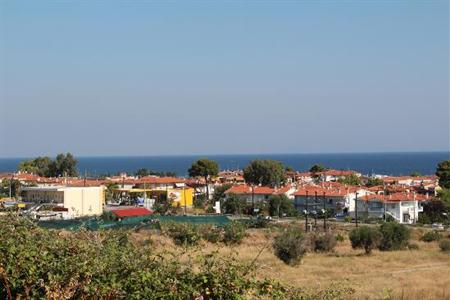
437 226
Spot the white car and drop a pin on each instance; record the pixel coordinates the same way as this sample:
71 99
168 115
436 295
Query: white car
438 226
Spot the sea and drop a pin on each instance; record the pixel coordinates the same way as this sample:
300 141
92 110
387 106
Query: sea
398 163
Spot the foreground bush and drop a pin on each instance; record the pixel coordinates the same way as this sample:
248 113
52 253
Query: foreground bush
234 233
36 263
444 245
324 242
291 245
183 234
365 237
431 236
394 236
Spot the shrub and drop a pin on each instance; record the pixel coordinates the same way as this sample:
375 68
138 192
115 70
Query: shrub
413 246
210 233
183 234
258 223
290 246
365 237
234 233
340 237
324 242
431 236
394 236
348 219
444 245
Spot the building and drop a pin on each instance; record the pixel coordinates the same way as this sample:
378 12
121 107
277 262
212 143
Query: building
66 202
258 193
403 207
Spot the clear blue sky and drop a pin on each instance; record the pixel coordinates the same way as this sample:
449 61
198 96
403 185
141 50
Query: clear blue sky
148 78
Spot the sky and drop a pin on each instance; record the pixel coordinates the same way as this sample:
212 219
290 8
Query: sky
232 77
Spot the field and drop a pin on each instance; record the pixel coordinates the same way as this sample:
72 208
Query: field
407 274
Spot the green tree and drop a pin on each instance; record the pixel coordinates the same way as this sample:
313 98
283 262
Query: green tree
373 181
9 185
317 168
351 179
219 193
415 174
443 172
64 165
365 237
233 205
41 166
280 205
265 172
205 168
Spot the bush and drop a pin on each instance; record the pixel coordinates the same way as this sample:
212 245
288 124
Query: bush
183 234
340 237
431 236
413 246
210 233
365 237
290 246
234 233
324 242
394 236
444 245
348 219
258 223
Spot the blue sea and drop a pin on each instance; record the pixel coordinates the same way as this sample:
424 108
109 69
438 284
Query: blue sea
366 163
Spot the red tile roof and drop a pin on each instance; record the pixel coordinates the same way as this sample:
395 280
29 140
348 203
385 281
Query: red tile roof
396 197
245 189
132 212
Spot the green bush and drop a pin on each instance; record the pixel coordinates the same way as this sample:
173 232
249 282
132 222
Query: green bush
210 233
431 236
234 233
340 237
324 242
444 245
291 245
365 237
348 219
394 236
183 234
413 246
257 223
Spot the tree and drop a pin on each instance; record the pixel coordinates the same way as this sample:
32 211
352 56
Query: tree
317 168
9 187
265 172
205 168
233 205
64 165
373 181
443 172
219 193
394 236
41 166
142 172
415 174
280 205
365 237
351 179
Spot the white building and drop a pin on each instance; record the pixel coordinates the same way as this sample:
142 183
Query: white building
66 202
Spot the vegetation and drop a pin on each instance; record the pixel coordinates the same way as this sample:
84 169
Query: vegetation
373 181
317 168
234 233
324 242
290 246
443 172
281 205
36 263
183 234
9 185
265 172
365 237
445 245
431 236
415 174
63 165
205 168
219 193
351 179
233 205
146 172
394 236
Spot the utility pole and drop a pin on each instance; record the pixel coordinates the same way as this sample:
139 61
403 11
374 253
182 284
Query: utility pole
306 212
356 209
324 213
253 199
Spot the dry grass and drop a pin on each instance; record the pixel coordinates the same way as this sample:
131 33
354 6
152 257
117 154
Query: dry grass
410 274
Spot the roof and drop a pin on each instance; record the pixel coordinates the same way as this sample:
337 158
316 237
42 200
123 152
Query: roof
132 212
245 189
396 197
160 180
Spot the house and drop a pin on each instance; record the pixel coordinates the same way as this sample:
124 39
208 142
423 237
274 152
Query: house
160 183
403 207
336 197
335 175
65 202
259 193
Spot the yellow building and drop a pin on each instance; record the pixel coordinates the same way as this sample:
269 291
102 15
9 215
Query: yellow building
179 196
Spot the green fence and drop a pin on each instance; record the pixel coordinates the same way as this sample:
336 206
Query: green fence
134 222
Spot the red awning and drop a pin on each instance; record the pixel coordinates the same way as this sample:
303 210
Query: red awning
132 212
